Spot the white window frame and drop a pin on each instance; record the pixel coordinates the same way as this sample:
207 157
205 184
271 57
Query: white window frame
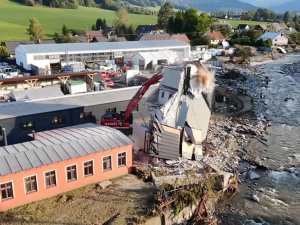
125 158
93 168
75 164
12 183
37 183
55 178
111 158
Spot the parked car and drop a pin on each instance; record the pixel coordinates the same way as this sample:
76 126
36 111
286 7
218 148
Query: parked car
109 82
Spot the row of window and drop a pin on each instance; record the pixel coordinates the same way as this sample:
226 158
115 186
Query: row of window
56 121
31 182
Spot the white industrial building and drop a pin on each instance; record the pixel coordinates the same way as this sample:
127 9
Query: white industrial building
42 56
148 60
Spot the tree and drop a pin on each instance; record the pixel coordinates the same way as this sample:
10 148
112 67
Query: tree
224 29
272 16
121 18
64 30
286 17
153 4
4 52
99 24
296 19
164 14
297 26
35 30
60 38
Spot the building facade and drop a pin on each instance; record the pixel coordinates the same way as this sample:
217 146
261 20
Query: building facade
46 55
64 160
21 118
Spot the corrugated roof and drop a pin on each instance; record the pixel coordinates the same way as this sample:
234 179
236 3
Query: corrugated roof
11 45
100 47
49 148
30 107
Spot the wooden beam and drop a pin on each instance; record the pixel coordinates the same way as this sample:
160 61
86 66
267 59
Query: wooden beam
64 79
31 82
91 75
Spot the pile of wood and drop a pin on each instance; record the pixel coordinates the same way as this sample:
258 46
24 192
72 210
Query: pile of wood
143 171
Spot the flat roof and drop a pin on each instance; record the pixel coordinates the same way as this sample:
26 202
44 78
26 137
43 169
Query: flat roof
30 107
59 145
95 47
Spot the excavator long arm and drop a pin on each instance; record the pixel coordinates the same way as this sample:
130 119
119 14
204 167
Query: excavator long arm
140 93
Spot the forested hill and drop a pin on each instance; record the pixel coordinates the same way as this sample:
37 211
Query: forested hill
203 5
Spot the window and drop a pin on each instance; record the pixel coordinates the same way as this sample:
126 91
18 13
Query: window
106 163
30 184
275 39
7 191
28 126
162 94
111 110
122 159
50 179
86 116
170 96
56 121
88 168
71 173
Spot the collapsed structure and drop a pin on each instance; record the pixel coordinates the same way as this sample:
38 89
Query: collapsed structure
180 113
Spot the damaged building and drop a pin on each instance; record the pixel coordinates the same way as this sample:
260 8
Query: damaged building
180 114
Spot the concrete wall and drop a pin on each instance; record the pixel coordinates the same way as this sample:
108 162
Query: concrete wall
43 121
171 77
20 196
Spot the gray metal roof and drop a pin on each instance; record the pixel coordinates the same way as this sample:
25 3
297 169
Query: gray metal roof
30 107
36 93
95 47
59 145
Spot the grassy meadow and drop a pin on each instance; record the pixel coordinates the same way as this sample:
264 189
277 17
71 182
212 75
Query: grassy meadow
235 23
15 19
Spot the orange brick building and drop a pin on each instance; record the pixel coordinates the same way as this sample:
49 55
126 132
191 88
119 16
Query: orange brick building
60 160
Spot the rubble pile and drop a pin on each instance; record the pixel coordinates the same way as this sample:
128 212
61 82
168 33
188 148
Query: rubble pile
291 69
227 136
251 83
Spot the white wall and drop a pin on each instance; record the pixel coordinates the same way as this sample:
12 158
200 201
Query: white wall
21 57
163 96
171 77
135 60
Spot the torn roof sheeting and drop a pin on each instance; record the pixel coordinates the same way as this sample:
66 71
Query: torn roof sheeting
58 145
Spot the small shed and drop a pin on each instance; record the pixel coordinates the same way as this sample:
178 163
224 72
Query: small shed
35 93
148 60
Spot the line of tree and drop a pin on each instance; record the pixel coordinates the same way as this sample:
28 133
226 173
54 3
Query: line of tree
189 21
250 38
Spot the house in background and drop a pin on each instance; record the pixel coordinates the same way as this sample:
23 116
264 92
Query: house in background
60 160
261 27
224 17
11 45
145 29
181 37
243 27
216 37
278 39
237 17
289 31
258 19
223 23
156 36
274 28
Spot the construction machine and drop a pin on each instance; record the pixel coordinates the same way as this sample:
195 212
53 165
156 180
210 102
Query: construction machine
124 118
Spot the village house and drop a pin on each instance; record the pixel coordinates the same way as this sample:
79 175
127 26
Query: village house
156 36
223 23
278 39
236 17
274 27
216 37
181 37
261 27
60 160
243 27
289 31
145 29
11 45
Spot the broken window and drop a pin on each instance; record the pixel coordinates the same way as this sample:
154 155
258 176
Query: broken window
170 96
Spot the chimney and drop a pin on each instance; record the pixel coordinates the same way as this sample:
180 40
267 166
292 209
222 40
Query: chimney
4 136
88 38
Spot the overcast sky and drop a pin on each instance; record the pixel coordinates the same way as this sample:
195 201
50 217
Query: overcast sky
265 3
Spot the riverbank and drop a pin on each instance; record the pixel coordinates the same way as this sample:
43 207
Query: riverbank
275 102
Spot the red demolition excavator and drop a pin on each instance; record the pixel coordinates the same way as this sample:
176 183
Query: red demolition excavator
124 118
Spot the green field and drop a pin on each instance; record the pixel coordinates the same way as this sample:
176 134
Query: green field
14 19
235 23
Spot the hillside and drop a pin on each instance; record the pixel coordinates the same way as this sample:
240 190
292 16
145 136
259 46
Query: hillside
15 19
288 6
220 5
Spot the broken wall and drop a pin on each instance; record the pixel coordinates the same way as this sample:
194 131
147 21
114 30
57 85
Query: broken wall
139 136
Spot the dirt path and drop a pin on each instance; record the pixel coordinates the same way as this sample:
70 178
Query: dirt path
127 196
